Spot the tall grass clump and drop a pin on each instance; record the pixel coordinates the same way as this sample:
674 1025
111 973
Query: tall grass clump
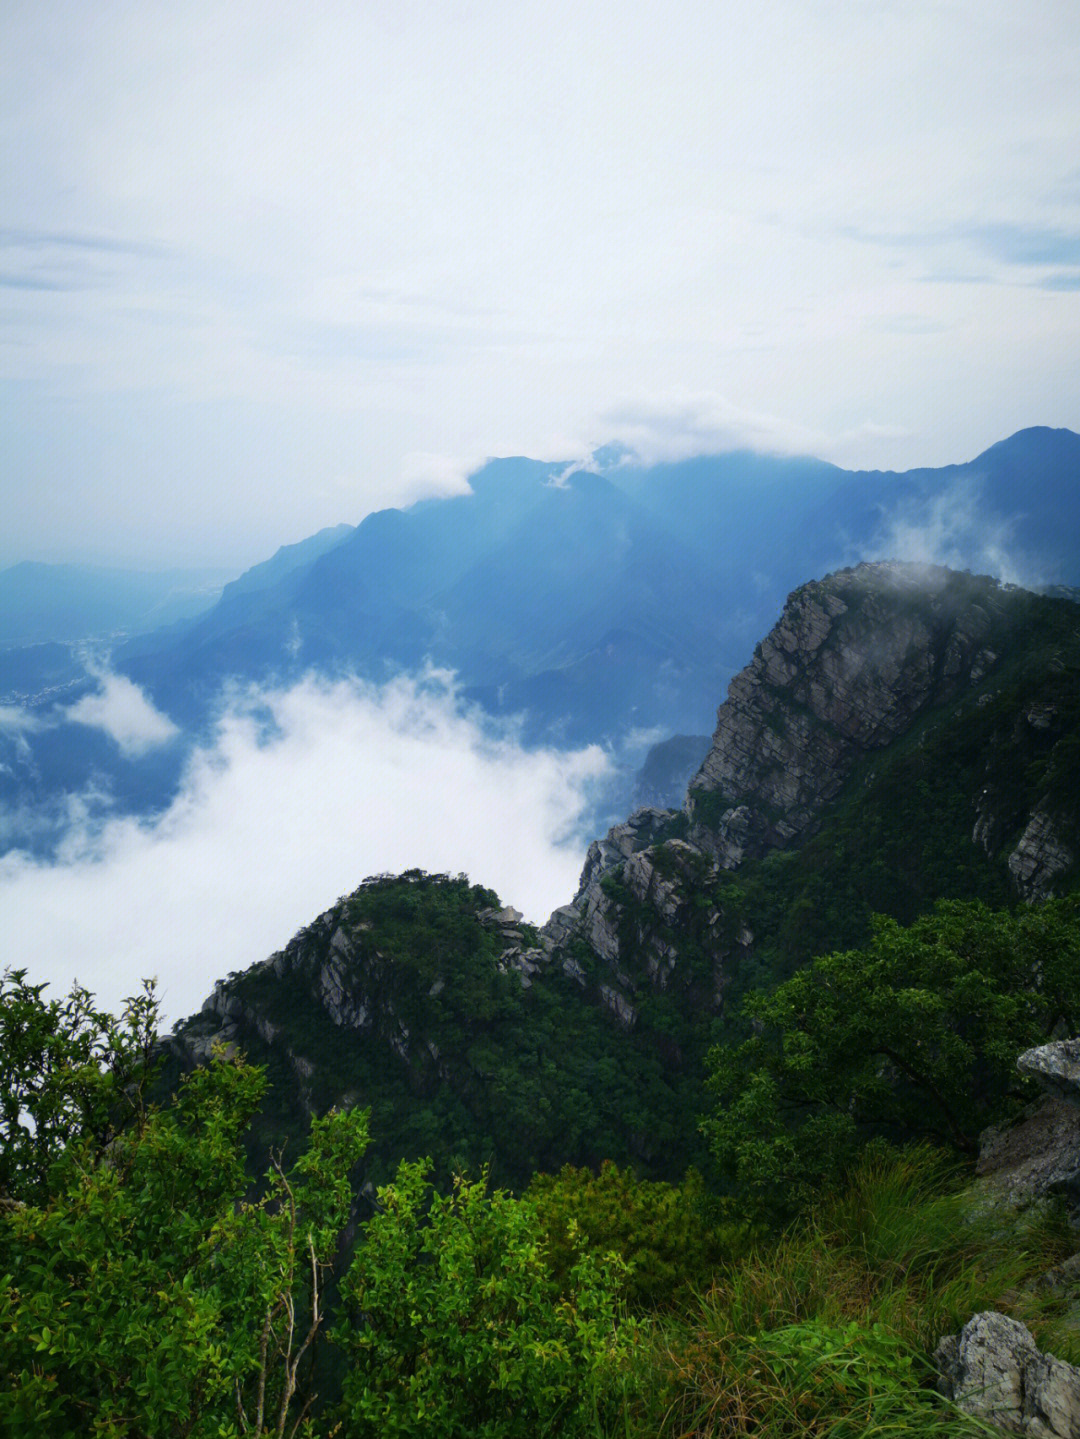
828 1330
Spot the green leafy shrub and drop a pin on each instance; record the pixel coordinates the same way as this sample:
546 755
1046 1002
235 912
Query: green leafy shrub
662 1232
456 1328
915 1036
143 1294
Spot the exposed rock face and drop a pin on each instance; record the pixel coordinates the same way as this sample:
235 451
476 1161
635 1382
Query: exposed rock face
642 908
620 842
993 1370
1039 857
1040 1153
1056 1067
852 662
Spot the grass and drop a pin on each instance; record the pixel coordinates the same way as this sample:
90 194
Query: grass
827 1333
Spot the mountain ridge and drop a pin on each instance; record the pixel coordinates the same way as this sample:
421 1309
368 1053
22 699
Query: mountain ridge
585 1040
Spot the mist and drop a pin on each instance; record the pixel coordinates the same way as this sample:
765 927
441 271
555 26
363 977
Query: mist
301 794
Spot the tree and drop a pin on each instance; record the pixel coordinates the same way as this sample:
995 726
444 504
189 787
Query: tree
661 1231
457 1328
67 1071
914 1037
141 1292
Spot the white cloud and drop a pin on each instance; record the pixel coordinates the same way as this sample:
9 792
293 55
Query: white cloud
425 476
673 427
952 528
276 820
122 710
16 720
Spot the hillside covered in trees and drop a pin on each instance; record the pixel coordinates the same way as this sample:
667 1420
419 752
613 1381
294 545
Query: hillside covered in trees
685 1160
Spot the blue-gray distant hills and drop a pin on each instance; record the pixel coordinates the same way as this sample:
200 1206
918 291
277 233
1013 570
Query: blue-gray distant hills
594 602
601 600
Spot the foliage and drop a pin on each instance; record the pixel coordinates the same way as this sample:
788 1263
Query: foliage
664 1233
457 1329
828 1330
490 1071
144 1295
67 1070
917 1035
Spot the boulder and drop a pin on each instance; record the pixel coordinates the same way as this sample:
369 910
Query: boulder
994 1371
1056 1067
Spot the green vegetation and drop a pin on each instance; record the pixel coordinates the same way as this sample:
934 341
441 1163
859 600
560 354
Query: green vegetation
459 1061
669 1236
455 1326
146 1296
149 1287
915 1036
151 1294
827 1330
66 1070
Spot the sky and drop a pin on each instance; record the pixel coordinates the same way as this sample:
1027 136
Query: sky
266 268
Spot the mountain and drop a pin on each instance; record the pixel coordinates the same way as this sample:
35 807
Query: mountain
603 599
903 733
605 603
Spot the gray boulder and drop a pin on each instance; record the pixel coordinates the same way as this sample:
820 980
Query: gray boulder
994 1371
1056 1067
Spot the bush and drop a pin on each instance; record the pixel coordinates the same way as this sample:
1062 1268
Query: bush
457 1330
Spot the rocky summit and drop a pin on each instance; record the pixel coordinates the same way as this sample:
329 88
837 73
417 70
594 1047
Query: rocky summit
903 734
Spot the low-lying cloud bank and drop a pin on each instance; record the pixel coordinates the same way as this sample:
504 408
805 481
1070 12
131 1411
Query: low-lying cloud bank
302 794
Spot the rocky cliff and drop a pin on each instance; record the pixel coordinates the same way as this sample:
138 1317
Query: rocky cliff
850 665
859 691
903 734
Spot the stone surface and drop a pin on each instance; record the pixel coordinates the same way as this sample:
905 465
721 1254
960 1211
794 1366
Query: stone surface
993 1371
1037 1156
1056 1067
1039 857
849 666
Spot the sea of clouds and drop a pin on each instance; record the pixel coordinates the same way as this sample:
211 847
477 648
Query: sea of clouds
300 794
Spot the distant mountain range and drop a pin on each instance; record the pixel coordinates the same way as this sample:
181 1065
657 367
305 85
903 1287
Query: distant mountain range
618 596
40 603
597 602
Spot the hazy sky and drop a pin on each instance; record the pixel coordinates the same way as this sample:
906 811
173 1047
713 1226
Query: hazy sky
267 267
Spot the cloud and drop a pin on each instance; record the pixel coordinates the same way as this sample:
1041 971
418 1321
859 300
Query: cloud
14 719
425 476
122 710
302 793
680 427
952 528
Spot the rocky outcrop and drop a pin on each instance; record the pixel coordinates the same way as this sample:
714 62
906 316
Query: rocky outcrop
854 661
621 841
1056 1068
1039 1154
648 912
1039 858
850 665
994 1371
